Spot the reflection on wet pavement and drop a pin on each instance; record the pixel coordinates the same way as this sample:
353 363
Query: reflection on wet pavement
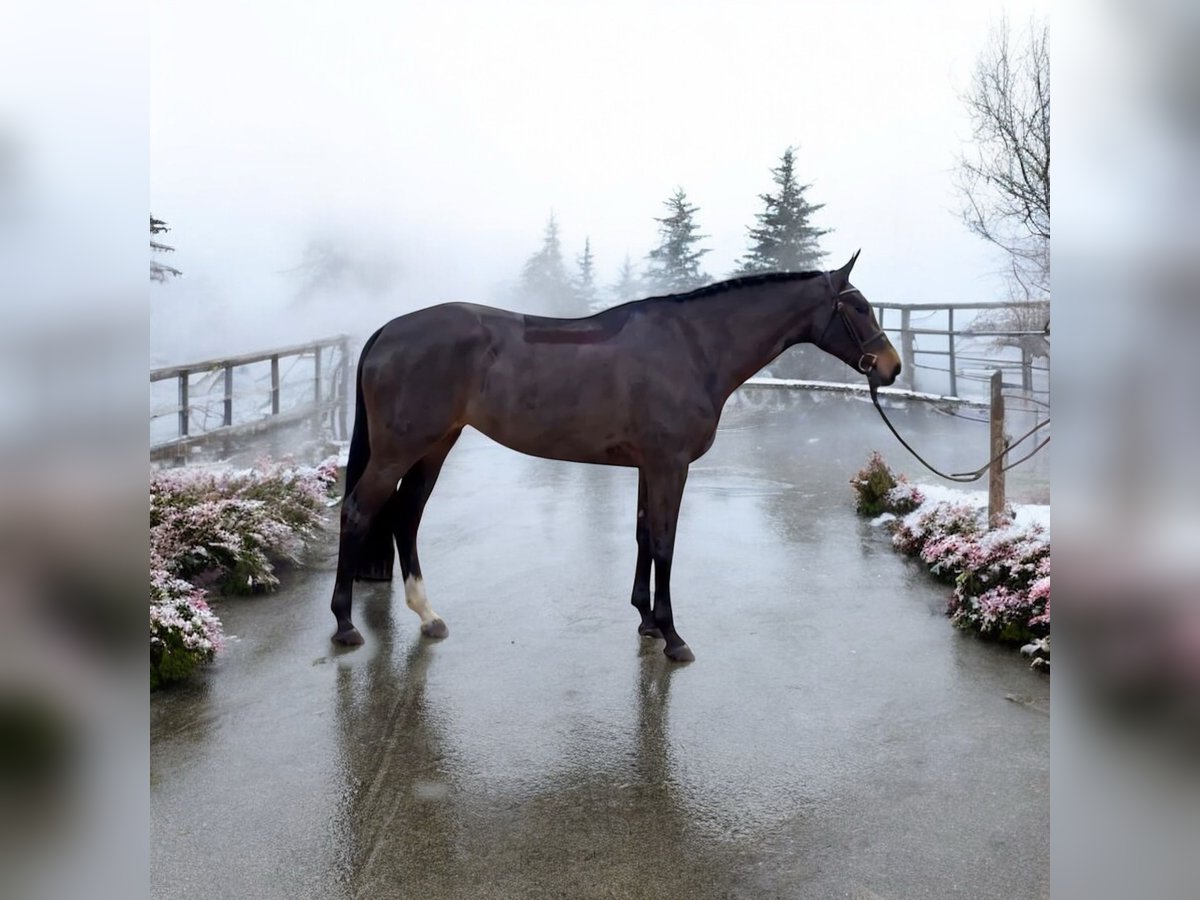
835 736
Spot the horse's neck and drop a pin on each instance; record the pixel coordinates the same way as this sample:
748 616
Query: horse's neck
744 329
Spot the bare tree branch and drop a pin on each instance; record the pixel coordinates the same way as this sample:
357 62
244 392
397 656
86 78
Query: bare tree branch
1005 181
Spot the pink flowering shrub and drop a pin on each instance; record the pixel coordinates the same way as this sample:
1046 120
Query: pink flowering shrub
226 530
945 525
1001 575
994 590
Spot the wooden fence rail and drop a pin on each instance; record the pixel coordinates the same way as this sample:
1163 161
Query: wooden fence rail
329 380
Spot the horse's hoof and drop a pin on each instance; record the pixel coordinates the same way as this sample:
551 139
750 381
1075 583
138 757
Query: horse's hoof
435 629
349 636
650 631
682 653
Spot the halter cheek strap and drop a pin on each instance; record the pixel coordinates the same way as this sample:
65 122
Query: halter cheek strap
866 361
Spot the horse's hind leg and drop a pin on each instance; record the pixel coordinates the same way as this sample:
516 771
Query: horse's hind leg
415 488
641 575
359 510
377 556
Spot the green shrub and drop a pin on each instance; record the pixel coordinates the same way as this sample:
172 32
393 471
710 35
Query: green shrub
879 490
872 485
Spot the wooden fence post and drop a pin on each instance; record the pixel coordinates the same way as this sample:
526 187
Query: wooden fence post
228 417
953 359
184 412
998 445
317 375
346 391
907 360
274 385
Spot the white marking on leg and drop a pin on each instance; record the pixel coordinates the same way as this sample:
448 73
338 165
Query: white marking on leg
414 596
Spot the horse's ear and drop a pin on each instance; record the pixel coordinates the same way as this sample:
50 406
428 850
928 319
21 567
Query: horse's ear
843 274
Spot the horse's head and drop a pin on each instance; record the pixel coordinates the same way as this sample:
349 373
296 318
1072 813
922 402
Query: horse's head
850 331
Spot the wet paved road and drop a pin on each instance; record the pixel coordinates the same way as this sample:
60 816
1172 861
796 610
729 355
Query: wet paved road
835 737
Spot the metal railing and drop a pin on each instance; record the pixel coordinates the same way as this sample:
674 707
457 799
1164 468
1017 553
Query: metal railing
980 363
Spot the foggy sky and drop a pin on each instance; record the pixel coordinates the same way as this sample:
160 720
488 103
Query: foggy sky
444 134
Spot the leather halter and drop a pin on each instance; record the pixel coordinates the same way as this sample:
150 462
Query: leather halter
866 360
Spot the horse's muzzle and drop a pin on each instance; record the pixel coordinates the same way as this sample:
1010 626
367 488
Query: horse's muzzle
886 369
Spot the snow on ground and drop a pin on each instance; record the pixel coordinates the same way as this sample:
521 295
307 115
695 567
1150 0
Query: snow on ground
1033 514
1025 514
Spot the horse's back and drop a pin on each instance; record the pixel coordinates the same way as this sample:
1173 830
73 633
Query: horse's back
435 336
590 390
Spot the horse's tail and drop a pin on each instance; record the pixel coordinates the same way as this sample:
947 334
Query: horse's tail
360 441
377 556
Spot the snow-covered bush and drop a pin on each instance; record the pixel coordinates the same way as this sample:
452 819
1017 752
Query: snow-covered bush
904 497
943 524
184 632
1001 575
225 530
1003 584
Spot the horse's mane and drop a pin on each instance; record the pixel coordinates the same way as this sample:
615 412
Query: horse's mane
733 284
622 310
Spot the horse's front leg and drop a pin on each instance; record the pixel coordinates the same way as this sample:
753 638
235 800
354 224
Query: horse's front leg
664 492
641 575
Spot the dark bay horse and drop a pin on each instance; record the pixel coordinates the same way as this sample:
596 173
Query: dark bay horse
641 385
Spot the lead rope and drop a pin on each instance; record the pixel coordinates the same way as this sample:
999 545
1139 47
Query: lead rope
963 477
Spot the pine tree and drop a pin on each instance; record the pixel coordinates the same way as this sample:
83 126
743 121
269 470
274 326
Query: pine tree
544 278
675 262
585 280
628 285
785 239
160 271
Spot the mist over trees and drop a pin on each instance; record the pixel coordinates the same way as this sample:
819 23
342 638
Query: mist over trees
674 265
544 278
342 266
584 282
628 285
785 240
784 237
